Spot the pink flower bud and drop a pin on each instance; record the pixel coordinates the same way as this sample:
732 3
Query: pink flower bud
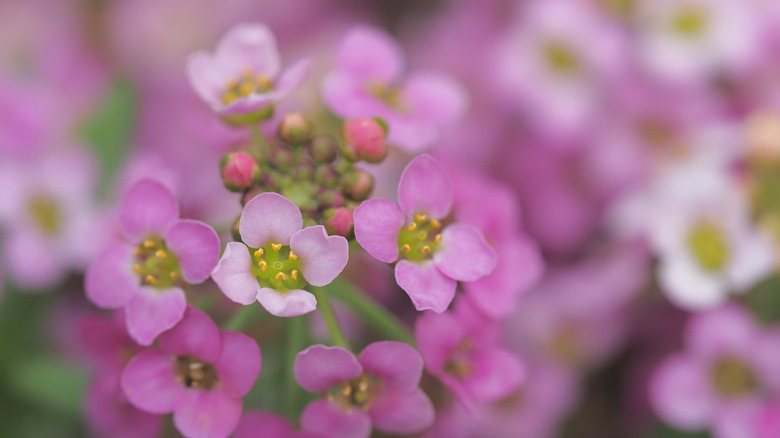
295 129
338 221
367 137
239 171
357 184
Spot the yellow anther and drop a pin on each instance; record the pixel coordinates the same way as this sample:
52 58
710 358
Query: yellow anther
259 252
263 82
150 279
406 248
412 226
229 97
421 217
292 256
245 89
276 246
294 274
148 244
137 250
425 249
160 254
232 83
437 238
137 268
435 223
174 276
280 276
263 265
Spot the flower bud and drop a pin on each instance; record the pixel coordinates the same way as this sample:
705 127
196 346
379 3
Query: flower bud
239 171
326 175
330 198
338 221
323 148
367 138
283 158
304 170
357 184
295 129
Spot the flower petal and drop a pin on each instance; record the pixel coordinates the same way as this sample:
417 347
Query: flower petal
154 311
425 187
728 330
377 223
396 363
196 245
269 217
148 208
320 415
238 364
292 78
403 413
288 303
149 382
205 78
464 254
435 98
680 395
688 287
207 414
271 425
322 257
496 374
110 282
233 274
369 53
319 368
195 335
438 335
248 45
425 284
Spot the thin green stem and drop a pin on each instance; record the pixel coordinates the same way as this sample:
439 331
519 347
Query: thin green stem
295 342
259 140
323 304
370 312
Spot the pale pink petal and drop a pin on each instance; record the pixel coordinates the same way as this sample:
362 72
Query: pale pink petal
438 335
196 245
294 302
396 363
149 382
109 414
322 257
207 414
154 311
680 395
728 330
319 368
377 223
496 374
347 99
31 261
248 46
269 217
369 54
254 423
689 287
464 254
233 274
322 416
148 208
425 187
425 284
196 335
292 78
205 78
239 363
435 98
402 413
110 282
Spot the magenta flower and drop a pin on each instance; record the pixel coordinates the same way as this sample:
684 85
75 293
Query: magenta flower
728 370
241 79
197 372
110 414
278 258
379 388
461 350
271 425
432 259
368 82
158 254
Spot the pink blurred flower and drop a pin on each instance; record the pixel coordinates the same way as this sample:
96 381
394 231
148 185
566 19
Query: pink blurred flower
379 388
197 372
254 423
110 414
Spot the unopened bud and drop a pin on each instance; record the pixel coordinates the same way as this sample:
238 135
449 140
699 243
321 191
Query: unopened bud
239 171
338 221
367 138
323 148
357 184
326 175
283 158
304 170
295 129
330 198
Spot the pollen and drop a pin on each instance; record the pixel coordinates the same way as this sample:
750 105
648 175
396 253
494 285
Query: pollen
245 89
437 238
292 256
150 279
259 252
276 246
137 268
421 217
174 276
425 249
263 265
294 274
160 254
148 244
412 226
435 223
137 251
280 276
406 248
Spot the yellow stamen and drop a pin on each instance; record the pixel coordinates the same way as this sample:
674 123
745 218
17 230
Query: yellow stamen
280 276
412 226
425 249
406 248
263 82
245 89
263 265
137 268
259 252
160 254
435 223
437 238
174 276
294 274
276 246
137 250
150 279
229 97
421 217
148 244
292 256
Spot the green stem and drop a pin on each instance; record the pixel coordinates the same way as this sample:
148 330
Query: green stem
245 317
323 304
371 312
259 140
295 342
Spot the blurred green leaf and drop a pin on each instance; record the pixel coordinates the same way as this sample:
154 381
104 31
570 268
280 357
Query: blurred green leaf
50 383
664 431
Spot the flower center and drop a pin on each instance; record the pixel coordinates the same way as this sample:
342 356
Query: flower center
459 363
561 58
358 392
276 266
194 373
732 377
155 265
565 345
420 239
689 21
389 94
708 246
246 84
45 214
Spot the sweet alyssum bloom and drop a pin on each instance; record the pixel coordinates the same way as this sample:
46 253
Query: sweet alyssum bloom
197 372
241 80
430 258
278 258
368 82
379 388
728 369
268 425
144 272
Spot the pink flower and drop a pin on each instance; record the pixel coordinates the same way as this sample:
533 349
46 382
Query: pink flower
368 83
278 258
461 349
727 370
197 372
259 423
241 79
110 414
145 271
432 259
379 388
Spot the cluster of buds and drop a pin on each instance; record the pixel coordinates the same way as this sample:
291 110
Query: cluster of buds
315 171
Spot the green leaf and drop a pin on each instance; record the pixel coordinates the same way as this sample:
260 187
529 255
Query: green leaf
48 382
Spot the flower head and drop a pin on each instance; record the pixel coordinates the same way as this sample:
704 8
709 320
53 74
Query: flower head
379 388
278 258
